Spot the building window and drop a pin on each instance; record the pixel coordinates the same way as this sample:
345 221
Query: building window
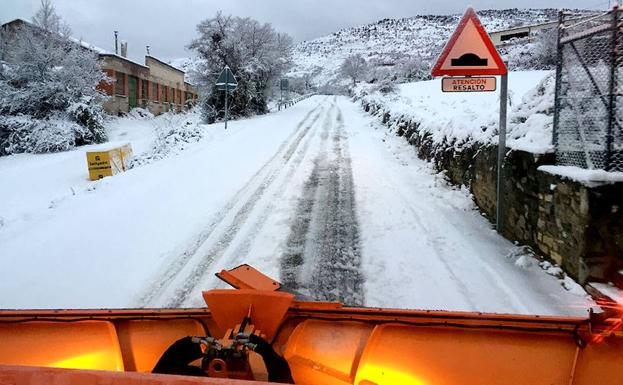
144 89
154 95
165 91
120 84
179 96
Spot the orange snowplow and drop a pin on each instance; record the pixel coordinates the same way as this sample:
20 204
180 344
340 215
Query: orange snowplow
260 332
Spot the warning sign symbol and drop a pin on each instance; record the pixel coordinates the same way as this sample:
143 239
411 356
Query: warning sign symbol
469 60
469 51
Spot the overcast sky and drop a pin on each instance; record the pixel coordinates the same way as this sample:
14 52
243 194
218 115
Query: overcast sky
169 25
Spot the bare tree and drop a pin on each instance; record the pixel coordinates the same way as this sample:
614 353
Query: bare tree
354 67
47 19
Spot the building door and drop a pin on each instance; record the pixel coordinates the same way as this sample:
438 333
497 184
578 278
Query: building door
132 91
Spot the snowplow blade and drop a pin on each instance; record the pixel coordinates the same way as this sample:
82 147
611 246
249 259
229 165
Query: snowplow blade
323 343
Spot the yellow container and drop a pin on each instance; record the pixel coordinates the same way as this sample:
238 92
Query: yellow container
108 161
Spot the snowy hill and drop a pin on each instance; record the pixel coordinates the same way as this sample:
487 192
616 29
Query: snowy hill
390 44
400 48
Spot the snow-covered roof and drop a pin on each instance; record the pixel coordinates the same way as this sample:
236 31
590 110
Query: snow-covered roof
81 42
19 19
90 46
109 54
164 64
94 48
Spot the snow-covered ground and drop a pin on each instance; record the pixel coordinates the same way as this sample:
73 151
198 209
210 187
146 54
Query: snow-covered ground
461 119
318 195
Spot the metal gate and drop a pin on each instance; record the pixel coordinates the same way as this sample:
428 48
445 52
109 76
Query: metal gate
589 105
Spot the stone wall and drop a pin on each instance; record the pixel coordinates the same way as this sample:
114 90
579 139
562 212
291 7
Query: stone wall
577 226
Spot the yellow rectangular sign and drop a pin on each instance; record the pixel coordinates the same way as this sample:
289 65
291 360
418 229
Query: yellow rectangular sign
468 84
108 162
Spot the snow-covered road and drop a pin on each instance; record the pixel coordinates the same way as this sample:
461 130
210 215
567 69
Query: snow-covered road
319 196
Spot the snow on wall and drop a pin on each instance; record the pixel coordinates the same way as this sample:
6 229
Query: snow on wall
463 119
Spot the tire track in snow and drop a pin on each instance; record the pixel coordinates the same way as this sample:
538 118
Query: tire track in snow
280 183
225 237
293 258
243 249
325 232
155 291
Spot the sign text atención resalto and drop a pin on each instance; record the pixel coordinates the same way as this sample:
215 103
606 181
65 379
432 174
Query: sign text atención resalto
468 84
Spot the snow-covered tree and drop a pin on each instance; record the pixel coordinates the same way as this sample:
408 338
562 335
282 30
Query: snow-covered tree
51 79
354 67
546 48
415 68
256 54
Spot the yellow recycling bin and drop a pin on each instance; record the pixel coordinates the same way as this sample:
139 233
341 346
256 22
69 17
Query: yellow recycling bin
108 161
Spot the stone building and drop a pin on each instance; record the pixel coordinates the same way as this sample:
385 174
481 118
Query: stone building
154 85
526 31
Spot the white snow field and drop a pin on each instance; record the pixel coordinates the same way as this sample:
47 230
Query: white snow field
319 196
461 118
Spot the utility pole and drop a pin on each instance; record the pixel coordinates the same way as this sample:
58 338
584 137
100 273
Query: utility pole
116 43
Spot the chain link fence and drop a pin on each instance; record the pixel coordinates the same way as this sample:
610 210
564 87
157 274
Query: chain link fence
589 105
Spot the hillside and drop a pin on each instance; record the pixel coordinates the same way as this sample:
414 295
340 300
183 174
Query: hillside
395 46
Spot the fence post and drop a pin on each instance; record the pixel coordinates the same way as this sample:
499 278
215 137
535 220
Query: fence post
611 89
558 79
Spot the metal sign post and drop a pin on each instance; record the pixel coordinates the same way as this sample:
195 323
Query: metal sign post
499 192
226 82
226 107
283 86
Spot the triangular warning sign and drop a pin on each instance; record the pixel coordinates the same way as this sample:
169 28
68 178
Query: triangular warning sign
227 79
469 51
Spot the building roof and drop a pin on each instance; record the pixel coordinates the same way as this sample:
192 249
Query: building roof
547 23
125 59
164 64
100 51
20 20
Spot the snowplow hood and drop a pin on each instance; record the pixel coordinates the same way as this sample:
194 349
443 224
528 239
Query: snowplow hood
323 342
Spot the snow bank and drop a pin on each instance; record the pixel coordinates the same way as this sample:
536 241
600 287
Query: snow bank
42 181
173 133
587 177
463 119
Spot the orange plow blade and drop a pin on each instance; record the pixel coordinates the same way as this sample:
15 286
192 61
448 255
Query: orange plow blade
322 342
